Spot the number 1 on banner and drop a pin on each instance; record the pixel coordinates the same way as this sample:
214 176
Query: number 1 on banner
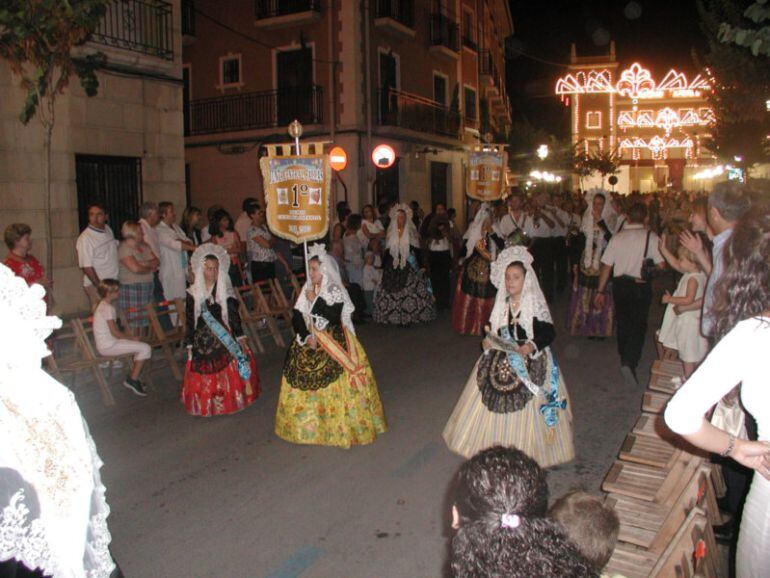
298 190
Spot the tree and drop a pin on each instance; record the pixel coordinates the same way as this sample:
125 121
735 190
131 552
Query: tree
604 162
37 37
754 36
523 140
741 83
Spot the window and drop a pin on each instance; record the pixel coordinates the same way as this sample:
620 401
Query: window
470 102
469 29
594 119
230 71
439 88
114 182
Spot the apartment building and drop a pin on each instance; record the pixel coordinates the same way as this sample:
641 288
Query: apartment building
424 76
121 147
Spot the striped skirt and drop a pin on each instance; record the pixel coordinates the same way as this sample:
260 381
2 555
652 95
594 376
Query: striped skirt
472 428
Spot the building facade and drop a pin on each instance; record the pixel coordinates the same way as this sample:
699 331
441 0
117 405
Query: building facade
424 76
655 126
121 147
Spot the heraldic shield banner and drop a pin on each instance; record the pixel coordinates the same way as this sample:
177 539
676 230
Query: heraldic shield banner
297 190
485 177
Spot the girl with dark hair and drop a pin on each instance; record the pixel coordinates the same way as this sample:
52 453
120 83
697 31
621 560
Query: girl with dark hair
222 231
742 313
191 218
501 497
515 395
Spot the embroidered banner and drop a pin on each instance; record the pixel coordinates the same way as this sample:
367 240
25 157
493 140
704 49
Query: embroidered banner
297 190
485 173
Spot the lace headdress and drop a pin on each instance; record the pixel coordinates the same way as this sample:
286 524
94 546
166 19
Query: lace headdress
332 289
475 229
224 288
398 246
53 515
532 303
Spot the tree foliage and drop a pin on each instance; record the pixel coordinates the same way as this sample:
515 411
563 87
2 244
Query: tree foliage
741 83
755 35
37 38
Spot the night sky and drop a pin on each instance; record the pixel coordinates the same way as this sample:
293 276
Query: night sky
661 35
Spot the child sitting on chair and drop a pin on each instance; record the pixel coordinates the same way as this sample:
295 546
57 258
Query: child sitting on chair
499 515
590 525
111 342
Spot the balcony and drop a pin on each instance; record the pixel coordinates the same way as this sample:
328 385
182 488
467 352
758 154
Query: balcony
487 68
282 13
416 113
144 26
188 22
469 41
254 110
444 36
395 16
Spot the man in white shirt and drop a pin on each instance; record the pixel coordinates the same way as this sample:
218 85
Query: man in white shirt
149 219
623 258
559 240
516 219
97 251
543 222
173 244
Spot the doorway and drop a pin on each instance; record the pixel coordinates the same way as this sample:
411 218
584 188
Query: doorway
439 183
294 80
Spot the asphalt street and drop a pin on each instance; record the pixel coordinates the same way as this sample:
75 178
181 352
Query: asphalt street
224 497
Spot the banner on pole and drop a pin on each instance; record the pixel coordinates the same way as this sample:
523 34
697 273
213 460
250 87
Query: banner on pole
297 190
485 173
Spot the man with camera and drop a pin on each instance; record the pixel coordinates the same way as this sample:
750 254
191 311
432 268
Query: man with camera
632 258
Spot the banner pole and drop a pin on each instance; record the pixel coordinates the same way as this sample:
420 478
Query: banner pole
297 152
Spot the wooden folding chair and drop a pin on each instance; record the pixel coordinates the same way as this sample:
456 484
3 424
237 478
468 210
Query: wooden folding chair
655 401
692 551
652 526
630 561
664 383
653 425
647 482
84 332
270 302
255 321
165 339
667 368
297 281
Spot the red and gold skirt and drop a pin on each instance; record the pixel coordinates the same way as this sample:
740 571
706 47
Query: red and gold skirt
220 393
470 314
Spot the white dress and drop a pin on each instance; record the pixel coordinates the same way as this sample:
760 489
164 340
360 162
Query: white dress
741 356
682 332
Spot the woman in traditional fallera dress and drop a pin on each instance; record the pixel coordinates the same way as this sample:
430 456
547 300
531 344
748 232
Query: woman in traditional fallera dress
328 392
221 374
515 395
475 293
404 297
583 318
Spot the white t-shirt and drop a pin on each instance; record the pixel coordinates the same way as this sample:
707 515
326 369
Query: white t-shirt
625 251
372 228
98 249
103 337
558 230
371 278
508 223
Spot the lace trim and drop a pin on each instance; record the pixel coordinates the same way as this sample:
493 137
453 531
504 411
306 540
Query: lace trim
23 539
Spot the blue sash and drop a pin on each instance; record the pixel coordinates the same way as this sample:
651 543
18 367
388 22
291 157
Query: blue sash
219 331
548 410
412 261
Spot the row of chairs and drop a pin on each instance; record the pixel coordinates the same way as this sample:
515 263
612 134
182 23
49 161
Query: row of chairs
665 494
265 308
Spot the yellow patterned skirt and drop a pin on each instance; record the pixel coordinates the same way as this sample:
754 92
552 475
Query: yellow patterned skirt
342 412
472 428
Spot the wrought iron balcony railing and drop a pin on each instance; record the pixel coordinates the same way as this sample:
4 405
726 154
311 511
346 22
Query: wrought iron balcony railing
487 64
144 26
444 31
414 112
254 110
273 8
401 11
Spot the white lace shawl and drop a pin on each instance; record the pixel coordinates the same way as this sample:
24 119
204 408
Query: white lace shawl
224 287
46 441
532 303
332 291
398 245
591 258
475 229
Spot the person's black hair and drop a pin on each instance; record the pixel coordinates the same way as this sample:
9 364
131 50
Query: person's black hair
354 221
214 227
252 208
637 213
246 202
500 482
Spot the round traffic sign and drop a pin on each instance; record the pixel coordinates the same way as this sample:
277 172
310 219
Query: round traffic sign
383 156
338 158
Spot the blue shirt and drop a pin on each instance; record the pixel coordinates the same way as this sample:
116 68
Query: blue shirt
708 321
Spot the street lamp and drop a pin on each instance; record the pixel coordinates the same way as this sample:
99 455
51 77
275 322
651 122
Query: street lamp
542 152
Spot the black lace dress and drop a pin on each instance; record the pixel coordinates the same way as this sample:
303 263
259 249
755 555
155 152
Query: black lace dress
403 297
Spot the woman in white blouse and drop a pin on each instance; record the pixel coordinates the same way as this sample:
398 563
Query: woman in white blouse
743 309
